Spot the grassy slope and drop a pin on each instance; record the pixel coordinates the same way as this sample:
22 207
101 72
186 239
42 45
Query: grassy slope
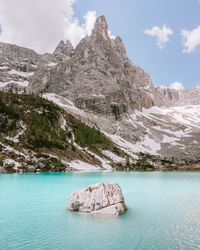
37 134
35 127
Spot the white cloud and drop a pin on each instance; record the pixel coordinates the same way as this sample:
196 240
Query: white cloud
176 85
111 35
162 34
74 31
41 25
191 39
90 19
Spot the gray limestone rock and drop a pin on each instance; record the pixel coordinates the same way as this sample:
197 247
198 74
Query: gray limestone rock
107 90
97 74
101 198
63 51
173 97
18 66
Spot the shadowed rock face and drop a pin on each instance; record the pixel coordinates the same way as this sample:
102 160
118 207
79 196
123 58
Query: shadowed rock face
101 198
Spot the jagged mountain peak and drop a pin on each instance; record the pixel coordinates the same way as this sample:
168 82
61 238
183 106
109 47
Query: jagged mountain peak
69 44
119 45
63 50
98 76
100 30
100 24
101 20
105 88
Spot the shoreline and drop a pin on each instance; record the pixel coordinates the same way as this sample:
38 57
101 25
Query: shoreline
105 171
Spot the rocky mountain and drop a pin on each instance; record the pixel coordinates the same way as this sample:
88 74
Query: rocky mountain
18 65
173 97
102 87
98 76
36 135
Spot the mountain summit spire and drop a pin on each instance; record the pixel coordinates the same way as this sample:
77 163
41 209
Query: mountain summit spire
101 22
100 28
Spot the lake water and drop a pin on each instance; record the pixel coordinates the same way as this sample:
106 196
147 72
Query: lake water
163 212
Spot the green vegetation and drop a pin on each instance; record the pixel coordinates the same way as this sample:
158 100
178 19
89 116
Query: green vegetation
17 147
2 157
116 150
87 136
40 116
44 131
36 124
127 161
142 162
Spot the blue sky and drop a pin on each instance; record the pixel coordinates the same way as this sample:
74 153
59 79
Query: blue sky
41 25
129 18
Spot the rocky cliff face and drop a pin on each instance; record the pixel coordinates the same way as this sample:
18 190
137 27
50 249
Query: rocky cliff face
63 51
99 84
97 76
18 66
173 97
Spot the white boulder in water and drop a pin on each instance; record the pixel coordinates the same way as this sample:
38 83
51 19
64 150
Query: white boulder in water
101 198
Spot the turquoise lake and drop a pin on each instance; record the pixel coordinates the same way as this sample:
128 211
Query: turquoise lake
163 212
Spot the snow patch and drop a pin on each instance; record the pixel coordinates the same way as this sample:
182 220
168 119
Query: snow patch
3 84
188 115
149 145
105 163
34 66
20 83
16 138
15 164
20 73
62 122
7 148
113 156
52 64
83 166
64 103
3 67
171 140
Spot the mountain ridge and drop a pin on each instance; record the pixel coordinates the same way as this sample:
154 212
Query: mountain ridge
97 83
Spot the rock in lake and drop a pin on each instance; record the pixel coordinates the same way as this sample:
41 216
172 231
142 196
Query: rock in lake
101 198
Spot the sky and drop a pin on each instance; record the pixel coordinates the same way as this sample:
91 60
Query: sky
161 36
